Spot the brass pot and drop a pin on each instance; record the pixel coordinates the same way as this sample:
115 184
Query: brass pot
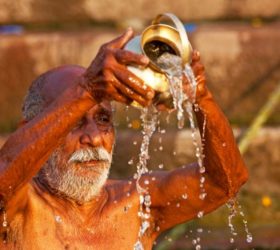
166 38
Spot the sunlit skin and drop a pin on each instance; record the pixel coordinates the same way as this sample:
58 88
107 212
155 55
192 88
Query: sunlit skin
78 115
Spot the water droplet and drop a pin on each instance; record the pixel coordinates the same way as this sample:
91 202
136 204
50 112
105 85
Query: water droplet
146 182
153 178
160 166
174 152
128 194
135 143
160 148
147 200
178 205
224 144
130 162
185 196
249 238
145 225
202 170
202 196
138 246
141 197
5 222
200 214
57 218
231 240
200 230
197 247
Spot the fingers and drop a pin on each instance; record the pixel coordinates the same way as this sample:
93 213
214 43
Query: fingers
120 98
120 41
195 57
128 57
197 66
129 93
134 83
198 69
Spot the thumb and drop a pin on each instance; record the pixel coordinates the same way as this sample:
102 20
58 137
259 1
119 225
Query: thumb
120 41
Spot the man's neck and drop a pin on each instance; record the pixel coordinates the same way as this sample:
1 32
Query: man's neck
60 201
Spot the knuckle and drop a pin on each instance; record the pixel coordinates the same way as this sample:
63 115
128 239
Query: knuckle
105 46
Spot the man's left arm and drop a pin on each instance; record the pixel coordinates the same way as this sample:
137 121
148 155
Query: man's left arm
177 195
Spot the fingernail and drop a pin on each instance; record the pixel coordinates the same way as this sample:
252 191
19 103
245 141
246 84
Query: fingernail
129 30
145 60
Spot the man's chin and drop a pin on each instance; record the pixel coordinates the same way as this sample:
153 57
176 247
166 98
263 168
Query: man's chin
91 168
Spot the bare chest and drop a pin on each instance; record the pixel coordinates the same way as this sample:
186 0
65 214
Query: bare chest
43 227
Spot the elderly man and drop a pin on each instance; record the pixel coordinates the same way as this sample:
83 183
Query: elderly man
54 191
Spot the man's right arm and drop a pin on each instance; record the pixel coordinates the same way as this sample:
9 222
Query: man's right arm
107 77
30 146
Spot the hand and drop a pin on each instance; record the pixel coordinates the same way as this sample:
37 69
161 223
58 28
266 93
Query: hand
108 77
199 72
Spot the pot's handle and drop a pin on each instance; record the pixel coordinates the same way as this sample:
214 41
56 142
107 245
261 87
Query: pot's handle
186 46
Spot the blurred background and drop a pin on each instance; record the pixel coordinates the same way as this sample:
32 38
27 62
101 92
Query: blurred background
239 43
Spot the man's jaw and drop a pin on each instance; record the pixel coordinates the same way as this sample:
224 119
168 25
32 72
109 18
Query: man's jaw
82 177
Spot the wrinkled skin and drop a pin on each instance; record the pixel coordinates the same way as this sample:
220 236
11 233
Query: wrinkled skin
39 218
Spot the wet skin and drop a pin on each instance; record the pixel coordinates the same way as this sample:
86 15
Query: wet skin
78 115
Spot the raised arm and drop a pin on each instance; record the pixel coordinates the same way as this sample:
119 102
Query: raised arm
177 195
69 93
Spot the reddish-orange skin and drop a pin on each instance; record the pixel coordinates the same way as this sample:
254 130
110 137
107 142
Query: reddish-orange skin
109 221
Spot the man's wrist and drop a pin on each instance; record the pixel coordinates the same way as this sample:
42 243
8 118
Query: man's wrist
84 90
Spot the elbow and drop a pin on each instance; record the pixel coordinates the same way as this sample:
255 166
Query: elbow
238 179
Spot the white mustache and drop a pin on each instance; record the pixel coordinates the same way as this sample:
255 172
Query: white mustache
90 154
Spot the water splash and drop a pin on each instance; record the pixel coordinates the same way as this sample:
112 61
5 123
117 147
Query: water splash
231 204
249 237
172 66
5 221
235 209
138 246
149 118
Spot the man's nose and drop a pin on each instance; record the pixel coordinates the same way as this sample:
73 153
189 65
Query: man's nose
91 136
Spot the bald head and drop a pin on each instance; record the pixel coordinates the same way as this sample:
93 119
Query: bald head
47 87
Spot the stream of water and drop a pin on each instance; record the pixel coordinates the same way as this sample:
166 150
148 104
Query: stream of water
183 104
172 66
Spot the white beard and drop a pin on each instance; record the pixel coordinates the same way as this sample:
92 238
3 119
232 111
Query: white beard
79 183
